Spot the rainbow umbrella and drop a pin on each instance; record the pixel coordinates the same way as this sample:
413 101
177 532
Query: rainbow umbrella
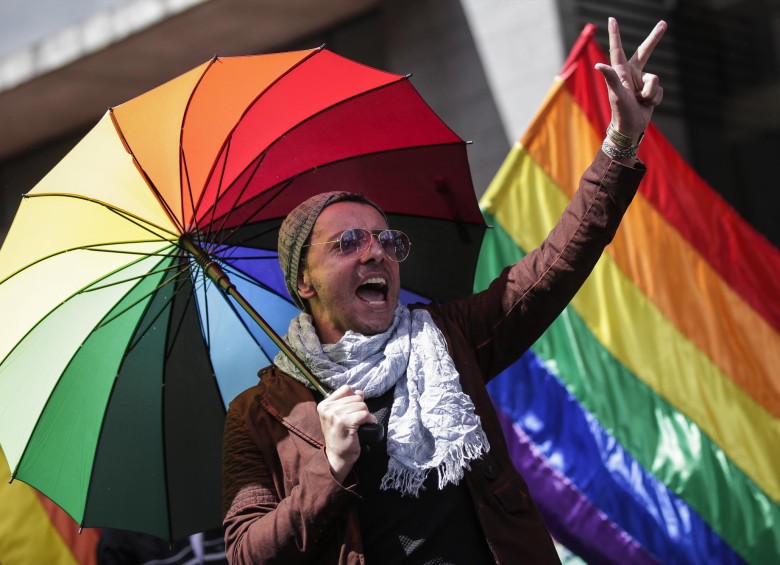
130 275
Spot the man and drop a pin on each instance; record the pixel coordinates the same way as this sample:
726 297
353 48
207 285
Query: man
441 488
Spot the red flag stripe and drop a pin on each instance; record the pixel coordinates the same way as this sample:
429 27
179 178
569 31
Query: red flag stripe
744 258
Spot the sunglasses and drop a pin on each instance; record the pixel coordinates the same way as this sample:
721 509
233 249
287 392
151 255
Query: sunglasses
394 243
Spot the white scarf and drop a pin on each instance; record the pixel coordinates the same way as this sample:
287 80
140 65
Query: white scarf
432 421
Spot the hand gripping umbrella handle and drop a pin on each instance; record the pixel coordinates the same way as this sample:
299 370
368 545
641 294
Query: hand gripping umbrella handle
368 434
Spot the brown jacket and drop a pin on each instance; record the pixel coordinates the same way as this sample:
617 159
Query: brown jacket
280 501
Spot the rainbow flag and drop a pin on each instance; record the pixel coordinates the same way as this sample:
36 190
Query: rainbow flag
645 420
35 530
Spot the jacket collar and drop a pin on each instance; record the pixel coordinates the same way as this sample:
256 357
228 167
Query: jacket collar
292 404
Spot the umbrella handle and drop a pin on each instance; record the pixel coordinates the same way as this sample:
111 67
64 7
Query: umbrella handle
371 434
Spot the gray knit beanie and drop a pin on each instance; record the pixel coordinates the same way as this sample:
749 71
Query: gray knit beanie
296 229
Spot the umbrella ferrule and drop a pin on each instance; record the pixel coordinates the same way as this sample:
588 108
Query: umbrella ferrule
211 268
215 273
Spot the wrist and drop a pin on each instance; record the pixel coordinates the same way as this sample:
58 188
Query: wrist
621 147
339 466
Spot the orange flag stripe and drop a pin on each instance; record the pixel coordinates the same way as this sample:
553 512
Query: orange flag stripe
82 543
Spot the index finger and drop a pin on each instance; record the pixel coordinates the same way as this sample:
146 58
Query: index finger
643 52
342 392
616 54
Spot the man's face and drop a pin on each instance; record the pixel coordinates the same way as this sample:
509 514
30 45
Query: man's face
347 292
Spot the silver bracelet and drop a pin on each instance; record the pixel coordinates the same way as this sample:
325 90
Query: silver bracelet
616 153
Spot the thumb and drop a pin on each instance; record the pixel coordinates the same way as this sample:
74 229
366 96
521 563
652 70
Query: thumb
610 75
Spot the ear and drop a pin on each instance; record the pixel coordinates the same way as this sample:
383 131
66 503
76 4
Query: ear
305 288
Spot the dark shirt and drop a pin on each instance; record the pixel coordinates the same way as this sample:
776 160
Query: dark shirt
438 527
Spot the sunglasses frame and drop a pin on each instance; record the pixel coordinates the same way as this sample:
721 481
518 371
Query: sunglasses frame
372 234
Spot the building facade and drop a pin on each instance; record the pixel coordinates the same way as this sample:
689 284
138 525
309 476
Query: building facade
483 65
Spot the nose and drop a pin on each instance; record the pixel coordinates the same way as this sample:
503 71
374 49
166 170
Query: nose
374 250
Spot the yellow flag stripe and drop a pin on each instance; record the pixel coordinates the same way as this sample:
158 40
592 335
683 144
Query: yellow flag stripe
27 535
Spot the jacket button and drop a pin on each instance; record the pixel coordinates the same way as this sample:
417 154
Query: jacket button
490 473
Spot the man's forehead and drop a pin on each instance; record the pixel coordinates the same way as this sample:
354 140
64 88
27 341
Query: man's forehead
340 216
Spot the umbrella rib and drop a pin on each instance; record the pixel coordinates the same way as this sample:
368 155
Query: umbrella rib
186 175
228 144
398 79
249 257
136 278
90 247
160 200
182 156
268 87
140 335
243 190
247 240
202 281
129 216
280 188
170 279
178 328
120 252
287 182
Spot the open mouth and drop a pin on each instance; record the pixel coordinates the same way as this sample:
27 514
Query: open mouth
373 291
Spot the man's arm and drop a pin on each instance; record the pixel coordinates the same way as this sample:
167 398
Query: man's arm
262 523
502 322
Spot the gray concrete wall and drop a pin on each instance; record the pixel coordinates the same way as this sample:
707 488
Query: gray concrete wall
521 49
432 40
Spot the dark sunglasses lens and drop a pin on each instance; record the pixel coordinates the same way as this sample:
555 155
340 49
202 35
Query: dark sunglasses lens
395 244
354 240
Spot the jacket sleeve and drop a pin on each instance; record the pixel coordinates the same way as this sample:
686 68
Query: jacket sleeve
262 522
502 322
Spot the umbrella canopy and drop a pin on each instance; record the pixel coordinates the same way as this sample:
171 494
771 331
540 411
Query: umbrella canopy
118 352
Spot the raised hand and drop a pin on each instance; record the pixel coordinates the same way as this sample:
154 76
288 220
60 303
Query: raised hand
632 93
